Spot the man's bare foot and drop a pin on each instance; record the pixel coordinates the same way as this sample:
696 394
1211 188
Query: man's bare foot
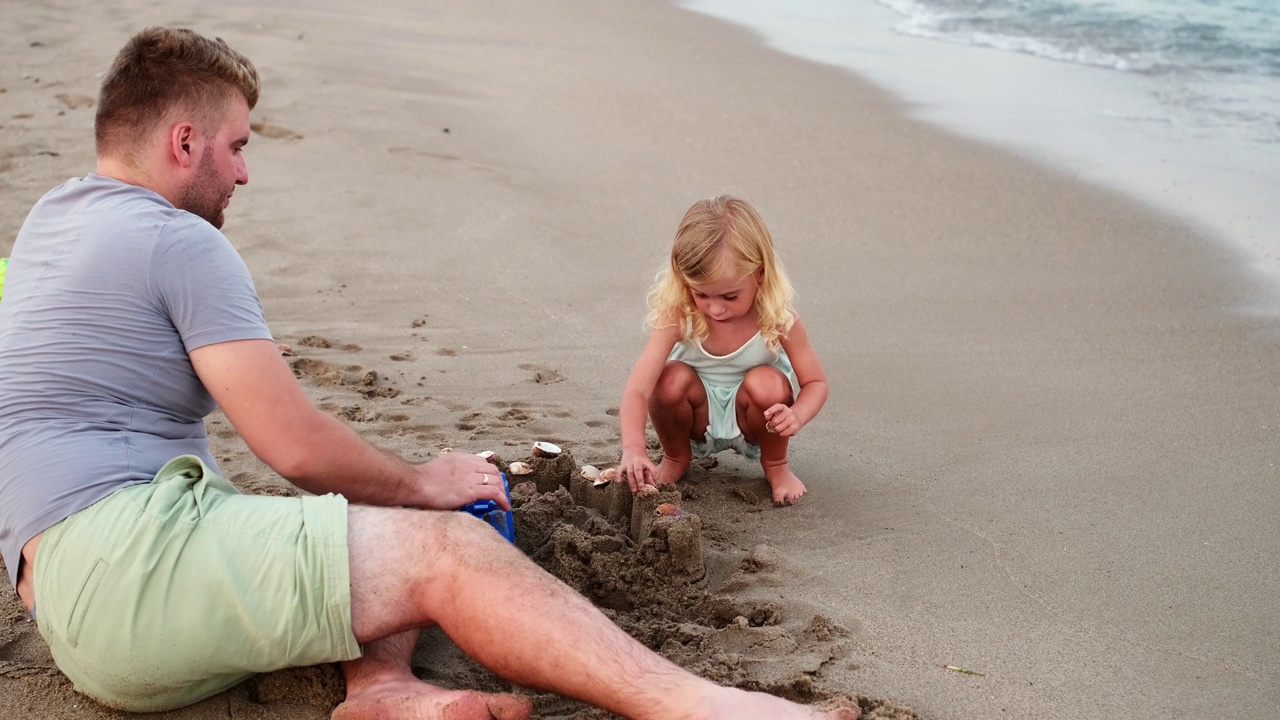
731 703
787 488
416 700
670 469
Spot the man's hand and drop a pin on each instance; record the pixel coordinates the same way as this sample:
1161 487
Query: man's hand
457 478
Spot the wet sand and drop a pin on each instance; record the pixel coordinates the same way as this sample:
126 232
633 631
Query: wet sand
1048 456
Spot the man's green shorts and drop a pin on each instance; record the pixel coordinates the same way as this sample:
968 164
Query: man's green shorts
166 593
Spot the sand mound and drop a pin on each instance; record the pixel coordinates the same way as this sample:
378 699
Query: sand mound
640 559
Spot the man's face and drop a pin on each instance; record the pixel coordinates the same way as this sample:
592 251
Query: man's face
221 167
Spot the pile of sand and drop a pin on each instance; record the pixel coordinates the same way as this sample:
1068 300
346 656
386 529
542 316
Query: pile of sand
641 559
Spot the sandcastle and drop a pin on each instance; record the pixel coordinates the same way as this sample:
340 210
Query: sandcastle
651 521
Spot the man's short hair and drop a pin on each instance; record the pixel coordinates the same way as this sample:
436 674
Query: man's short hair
161 70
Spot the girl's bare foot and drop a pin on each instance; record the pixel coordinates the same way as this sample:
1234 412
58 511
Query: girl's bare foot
670 469
416 700
787 488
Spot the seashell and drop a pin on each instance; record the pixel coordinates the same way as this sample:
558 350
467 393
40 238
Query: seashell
444 451
668 510
608 475
519 468
545 449
486 454
590 472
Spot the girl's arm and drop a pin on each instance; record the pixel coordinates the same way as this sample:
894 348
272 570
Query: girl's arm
813 384
633 410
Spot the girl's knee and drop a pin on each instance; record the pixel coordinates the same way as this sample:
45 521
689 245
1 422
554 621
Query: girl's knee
674 383
765 385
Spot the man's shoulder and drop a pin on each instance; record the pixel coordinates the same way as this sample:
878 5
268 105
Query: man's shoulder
102 198
184 226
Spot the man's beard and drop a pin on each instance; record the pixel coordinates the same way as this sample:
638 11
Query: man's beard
201 197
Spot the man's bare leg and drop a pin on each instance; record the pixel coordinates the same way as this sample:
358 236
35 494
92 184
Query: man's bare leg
381 685
412 569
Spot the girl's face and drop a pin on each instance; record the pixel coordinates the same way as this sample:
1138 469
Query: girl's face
726 299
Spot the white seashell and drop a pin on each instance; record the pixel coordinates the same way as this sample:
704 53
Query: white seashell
444 451
519 468
545 449
486 454
590 472
609 474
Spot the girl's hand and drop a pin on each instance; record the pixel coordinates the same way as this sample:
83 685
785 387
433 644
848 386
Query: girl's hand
637 470
781 420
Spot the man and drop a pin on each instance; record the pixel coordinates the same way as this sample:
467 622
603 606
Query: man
127 316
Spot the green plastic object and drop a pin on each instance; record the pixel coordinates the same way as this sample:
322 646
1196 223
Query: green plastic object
4 265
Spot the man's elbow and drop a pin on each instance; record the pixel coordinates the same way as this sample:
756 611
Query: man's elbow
295 454
294 465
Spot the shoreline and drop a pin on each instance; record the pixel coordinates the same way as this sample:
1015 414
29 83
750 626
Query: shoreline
1097 125
1048 455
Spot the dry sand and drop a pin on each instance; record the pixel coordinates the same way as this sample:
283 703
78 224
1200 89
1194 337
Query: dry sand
1049 451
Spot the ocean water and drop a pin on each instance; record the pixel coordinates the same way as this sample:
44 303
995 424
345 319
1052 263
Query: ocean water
1174 102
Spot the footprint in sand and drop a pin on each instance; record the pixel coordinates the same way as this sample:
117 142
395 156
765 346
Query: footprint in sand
404 150
543 375
319 341
447 160
515 417
475 421
365 382
275 132
73 101
356 413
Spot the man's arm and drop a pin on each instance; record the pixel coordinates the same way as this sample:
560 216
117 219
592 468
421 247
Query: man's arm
260 396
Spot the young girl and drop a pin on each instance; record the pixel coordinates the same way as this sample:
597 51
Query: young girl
728 363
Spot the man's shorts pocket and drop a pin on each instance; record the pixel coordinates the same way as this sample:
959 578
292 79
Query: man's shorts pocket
83 600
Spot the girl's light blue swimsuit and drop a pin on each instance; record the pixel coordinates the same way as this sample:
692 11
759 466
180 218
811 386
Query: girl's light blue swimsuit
721 376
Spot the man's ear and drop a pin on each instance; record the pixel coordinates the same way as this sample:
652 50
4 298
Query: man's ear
182 144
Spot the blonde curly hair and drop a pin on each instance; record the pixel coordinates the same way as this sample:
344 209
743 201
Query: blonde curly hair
721 237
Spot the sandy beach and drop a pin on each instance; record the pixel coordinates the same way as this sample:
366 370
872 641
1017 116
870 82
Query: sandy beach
1049 455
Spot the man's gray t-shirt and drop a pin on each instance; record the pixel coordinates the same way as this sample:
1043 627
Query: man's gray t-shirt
109 287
